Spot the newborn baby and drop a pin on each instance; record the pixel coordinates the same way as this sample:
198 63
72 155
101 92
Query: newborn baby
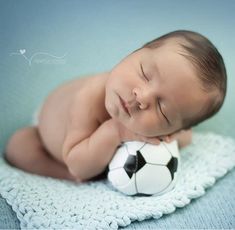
156 93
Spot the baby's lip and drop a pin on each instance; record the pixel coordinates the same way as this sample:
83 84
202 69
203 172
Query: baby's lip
124 105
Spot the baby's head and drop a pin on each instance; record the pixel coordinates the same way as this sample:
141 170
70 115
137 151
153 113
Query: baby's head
173 82
208 65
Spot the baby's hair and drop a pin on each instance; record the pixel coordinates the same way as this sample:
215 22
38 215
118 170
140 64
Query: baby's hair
209 66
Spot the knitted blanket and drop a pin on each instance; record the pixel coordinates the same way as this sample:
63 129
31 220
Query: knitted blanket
41 202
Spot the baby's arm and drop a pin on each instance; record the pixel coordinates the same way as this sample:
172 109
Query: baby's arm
89 157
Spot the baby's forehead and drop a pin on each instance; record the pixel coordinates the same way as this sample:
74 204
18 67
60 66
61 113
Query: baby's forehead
175 45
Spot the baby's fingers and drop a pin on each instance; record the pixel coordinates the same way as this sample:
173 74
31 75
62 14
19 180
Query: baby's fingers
166 139
153 140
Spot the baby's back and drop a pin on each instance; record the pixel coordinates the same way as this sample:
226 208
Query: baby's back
54 115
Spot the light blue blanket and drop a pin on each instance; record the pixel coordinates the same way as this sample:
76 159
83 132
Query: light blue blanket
49 203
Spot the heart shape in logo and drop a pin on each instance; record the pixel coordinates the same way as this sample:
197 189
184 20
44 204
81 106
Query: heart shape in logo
22 51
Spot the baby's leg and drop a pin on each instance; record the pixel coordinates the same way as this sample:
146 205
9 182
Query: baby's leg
25 151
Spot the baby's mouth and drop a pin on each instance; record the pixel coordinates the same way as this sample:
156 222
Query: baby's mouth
124 106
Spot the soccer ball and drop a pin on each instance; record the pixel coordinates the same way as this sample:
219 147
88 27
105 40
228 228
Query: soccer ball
143 168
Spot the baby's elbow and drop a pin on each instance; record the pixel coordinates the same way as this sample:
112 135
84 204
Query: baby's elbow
186 138
76 163
73 164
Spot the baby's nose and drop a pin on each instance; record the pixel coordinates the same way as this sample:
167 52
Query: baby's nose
143 95
131 104
143 105
142 98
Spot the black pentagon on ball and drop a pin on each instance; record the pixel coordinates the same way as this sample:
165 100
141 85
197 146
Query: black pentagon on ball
172 166
134 163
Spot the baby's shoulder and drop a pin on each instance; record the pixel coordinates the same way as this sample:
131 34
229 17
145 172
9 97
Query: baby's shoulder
88 101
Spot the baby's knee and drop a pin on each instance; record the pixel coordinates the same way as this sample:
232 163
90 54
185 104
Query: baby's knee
14 144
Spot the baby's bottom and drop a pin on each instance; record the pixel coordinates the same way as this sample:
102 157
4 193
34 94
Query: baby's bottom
26 151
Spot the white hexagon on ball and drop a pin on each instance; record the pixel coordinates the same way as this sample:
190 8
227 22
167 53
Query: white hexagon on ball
143 168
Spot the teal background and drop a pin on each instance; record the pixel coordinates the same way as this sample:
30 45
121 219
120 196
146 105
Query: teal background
94 36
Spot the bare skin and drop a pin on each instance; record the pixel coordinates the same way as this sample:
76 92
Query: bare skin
83 121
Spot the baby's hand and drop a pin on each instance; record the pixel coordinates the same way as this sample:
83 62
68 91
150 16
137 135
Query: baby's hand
127 135
184 137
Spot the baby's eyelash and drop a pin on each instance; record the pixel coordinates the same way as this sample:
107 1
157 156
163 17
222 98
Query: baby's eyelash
158 101
143 73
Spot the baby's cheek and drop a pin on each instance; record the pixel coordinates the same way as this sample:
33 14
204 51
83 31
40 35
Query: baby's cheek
156 129
146 129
